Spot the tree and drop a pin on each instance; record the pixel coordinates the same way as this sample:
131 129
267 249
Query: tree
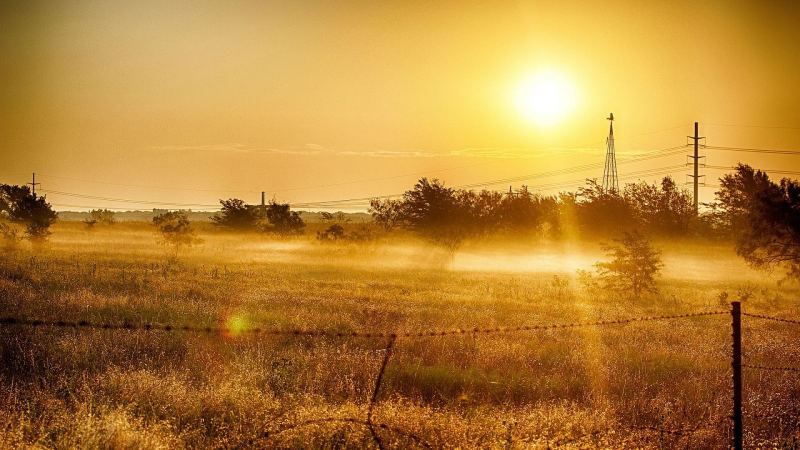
386 213
18 204
598 211
334 232
281 220
528 212
663 208
9 236
764 218
102 216
430 209
237 215
633 266
338 216
175 229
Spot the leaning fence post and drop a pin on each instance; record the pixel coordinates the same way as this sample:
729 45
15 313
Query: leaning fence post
736 365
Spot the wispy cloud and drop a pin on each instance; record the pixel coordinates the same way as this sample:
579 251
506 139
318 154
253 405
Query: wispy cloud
519 152
308 149
392 153
317 149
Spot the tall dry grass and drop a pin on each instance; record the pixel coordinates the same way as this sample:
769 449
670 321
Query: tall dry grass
575 388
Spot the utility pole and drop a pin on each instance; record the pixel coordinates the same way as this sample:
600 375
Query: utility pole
696 163
33 184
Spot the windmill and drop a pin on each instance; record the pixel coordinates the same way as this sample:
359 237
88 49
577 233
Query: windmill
610 179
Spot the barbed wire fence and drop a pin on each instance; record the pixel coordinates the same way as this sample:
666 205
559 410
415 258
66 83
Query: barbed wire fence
374 428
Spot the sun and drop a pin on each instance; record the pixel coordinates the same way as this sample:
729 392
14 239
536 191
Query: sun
545 98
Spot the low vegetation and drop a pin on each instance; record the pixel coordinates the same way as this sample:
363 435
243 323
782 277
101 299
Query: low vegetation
632 267
19 206
573 388
453 260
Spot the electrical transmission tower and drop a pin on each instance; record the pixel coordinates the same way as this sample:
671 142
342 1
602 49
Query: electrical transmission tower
696 165
610 179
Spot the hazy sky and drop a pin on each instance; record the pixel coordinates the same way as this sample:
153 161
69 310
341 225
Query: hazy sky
188 102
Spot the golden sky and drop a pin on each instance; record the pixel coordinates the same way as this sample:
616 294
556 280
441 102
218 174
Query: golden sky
188 102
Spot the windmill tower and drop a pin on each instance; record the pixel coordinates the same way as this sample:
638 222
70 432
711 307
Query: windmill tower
610 180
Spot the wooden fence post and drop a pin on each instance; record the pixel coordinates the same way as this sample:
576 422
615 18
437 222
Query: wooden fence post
736 365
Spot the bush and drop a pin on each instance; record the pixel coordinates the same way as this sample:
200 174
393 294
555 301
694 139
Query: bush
237 215
334 232
18 204
281 220
448 216
763 217
9 236
176 230
101 216
633 266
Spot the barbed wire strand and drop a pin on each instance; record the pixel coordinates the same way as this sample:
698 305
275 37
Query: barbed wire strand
773 318
16 321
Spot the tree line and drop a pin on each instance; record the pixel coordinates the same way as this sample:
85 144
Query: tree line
761 216
449 216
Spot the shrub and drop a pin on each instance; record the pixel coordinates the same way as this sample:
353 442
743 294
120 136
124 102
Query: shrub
334 232
19 205
176 230
281 220
236 215
764 218
9 235
633 266
101 216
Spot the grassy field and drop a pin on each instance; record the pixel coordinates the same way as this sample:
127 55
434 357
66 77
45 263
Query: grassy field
609 386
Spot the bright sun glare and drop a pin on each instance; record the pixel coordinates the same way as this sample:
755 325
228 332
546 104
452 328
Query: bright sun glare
545 98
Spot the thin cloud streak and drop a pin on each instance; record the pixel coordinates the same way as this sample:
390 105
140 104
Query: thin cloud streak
316 149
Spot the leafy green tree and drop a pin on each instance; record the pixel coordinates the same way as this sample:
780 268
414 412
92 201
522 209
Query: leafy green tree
633 266
19 205
9 235
281 220
527 212
386 213
175 229
430 209
102 216
598 211
334 232
764 218
237 215
663 209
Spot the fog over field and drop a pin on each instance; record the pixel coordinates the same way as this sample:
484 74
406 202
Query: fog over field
604 386
399 224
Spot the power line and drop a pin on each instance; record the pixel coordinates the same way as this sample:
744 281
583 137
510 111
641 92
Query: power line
647 156
167 188
361 201
549 186
754 150
358 202
123 200
770 127
778 171
117 208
